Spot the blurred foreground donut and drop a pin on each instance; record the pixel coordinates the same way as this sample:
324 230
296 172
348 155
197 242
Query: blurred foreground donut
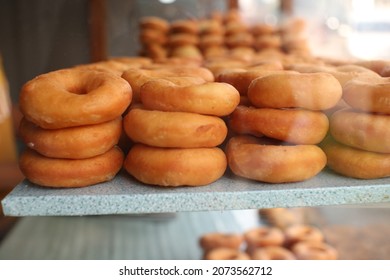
173 167
263 236
314 251
361 130
368 94
72 97
62 173
174 129
226 254
299 233
313 91
273 162
355 163
72 142
214 240
296 126
209 98
272 253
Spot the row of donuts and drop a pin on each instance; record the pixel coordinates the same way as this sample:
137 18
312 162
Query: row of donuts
164 94
215 35
296 242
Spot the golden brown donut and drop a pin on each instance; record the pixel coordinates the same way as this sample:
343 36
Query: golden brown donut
174 167
69 173
355 163
153 22
313 91
314 251
213 240
70 97
379 66
174 129
226 254
209 98
361 130
369 94
272 253
72 142
296 126
272 41
152 36
269 161
184 26
181 39
303 233
187 51
262 237
112 66
239 40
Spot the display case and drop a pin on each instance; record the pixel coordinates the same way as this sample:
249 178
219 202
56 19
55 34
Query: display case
127 219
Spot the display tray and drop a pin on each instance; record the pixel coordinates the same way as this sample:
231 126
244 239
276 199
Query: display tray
124 195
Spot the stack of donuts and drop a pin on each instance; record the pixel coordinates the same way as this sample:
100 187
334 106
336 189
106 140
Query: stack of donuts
359 141
71 126
282 127
177 128
296 242
153 36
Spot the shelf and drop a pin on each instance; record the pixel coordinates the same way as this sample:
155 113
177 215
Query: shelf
124 195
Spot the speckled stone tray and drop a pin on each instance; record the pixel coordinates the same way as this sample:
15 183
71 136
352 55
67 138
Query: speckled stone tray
124 195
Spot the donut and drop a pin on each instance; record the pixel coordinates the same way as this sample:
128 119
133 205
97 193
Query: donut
239 40
155 23
187 51
210 26
181 39
361 130
70 97
112 66
72 142
215 240
210 41
174 129
303 233
272 253
155 51
137 77
314 251
152 36
368 94
378 66
226 254
355 163
70 173
272 41
262 237
174 167
296 126
209 98
272 162
313 91
184 26
241 78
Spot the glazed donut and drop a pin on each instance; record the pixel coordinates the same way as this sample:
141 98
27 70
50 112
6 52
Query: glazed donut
70 97
72 142
355 163
272 253
64 173
313 91
174 129
302 233
267 161
215 240
368 94
262 237
361 130
314 251
212 98
173 167
296 126
226 254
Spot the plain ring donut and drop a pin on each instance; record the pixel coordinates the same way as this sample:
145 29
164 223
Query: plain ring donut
68 173
174 167
72 97
72 142
215 240
314 251
174 129
361 130
272 162
313 91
